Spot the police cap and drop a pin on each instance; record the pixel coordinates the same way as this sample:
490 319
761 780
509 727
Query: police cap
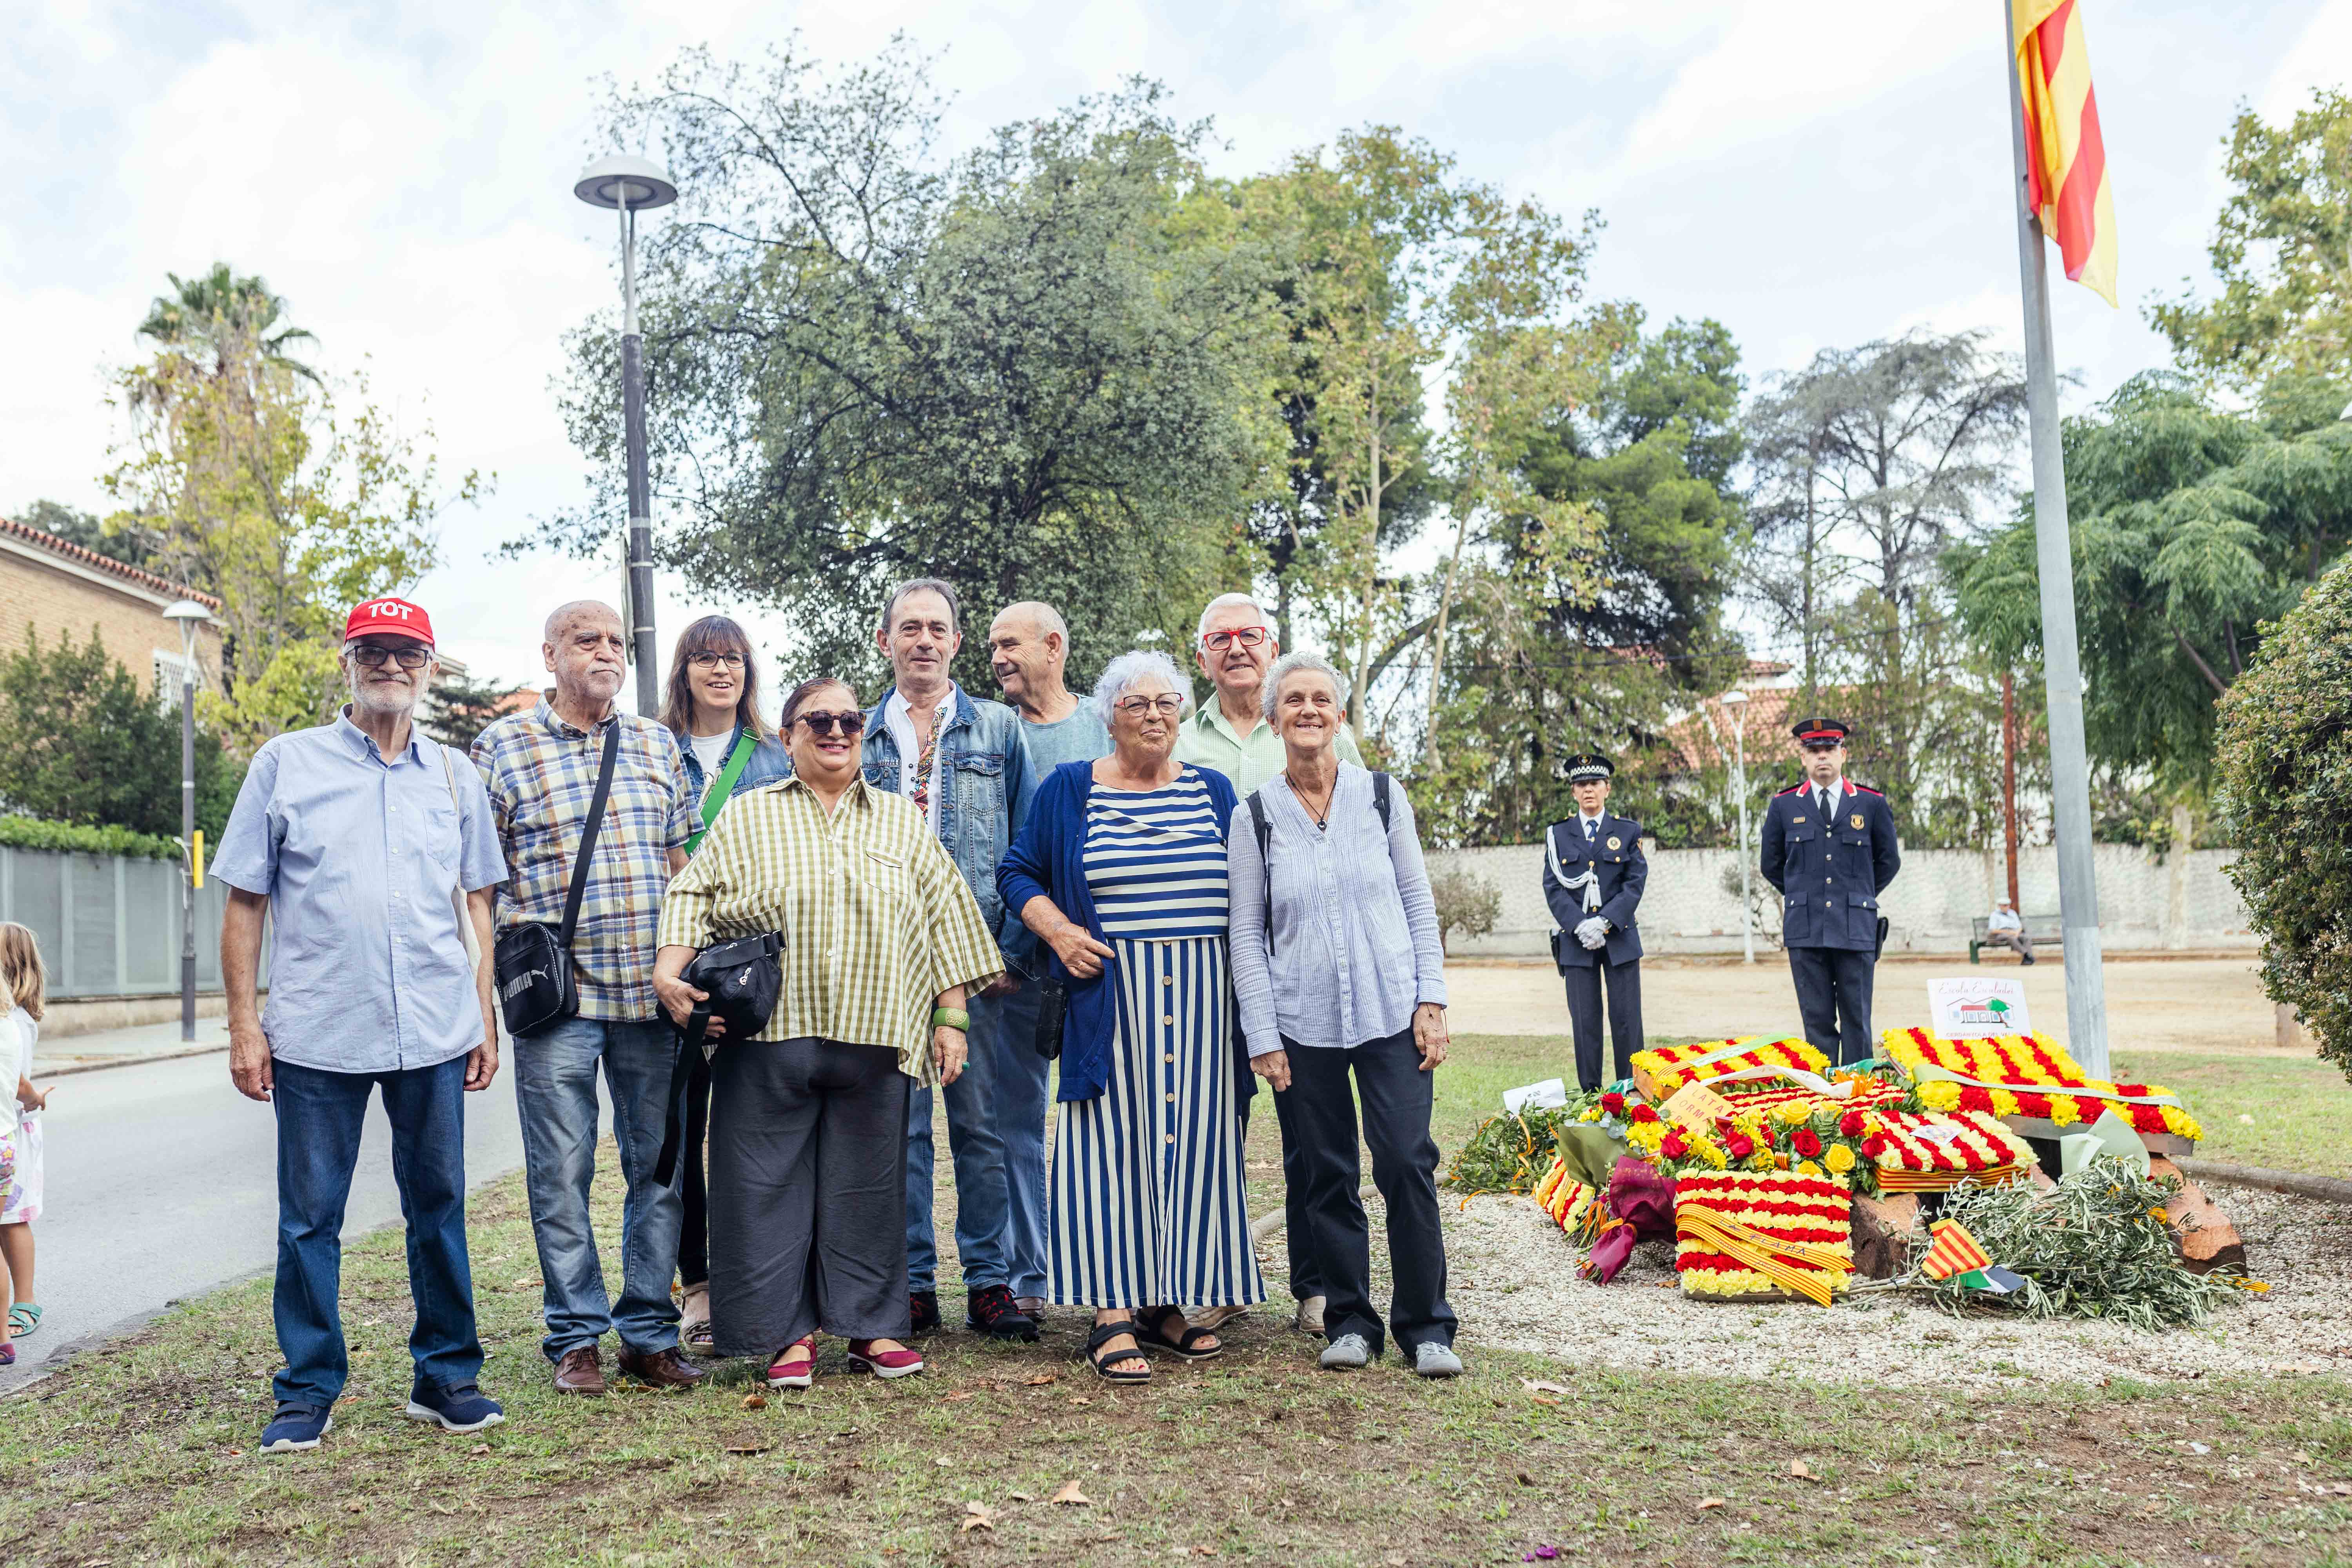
1820 731
1589 767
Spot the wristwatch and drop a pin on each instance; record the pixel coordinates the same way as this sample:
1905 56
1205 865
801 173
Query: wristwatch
952 1017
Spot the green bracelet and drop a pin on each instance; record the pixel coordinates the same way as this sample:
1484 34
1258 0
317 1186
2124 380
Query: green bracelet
952 1017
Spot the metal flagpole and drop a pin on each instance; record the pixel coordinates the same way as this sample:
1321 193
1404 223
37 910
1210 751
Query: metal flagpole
2070 771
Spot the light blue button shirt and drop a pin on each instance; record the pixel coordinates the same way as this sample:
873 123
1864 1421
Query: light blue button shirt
1355 942
360 858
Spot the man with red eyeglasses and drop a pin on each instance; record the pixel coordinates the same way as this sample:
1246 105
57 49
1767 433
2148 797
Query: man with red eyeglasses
1237 646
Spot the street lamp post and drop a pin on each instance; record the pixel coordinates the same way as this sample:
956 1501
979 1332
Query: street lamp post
188 614
629 186
1736 701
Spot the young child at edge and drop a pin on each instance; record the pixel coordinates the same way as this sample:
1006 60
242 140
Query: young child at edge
23 980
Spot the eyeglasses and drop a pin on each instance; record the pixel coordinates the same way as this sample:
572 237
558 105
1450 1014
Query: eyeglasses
1248 637
849 723
706 659
372 658
1166 704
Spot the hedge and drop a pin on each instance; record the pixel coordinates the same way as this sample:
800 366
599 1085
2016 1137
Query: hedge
31 833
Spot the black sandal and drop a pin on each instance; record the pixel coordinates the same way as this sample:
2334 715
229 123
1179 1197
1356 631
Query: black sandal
1156 1338
1101 1359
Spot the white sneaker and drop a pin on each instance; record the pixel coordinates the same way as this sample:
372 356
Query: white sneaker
1310 1315
1431 1359
1347 1353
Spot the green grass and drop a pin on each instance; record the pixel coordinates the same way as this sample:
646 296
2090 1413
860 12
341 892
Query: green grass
141 1452
2299 1110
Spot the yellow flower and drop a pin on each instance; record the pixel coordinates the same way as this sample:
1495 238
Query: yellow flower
1762 1161
1591 1113
2061 1110
1840 1158
1807 1168
1940 1095
1793 1111
2004 1102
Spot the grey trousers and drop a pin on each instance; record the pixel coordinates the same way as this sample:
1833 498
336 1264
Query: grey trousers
808 1193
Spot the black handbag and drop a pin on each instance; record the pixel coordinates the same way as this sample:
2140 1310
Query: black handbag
741 980
533 960
1053 1006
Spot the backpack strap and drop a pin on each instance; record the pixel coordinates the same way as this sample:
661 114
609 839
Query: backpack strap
1263 830
1380 799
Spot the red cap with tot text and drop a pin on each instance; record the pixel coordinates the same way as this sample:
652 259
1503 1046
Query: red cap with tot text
389 619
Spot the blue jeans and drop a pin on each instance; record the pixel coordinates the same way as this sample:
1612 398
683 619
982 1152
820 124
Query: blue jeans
978 1150
1010 1035
318 1120
555 1089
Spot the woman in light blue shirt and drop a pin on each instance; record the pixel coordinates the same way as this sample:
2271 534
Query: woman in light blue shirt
1338 969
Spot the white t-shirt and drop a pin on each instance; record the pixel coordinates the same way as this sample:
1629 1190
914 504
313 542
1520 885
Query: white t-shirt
710 750
18 1032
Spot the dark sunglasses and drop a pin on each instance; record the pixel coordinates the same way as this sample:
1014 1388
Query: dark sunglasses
372 656
849 723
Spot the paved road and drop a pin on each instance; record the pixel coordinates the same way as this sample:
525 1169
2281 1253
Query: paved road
161 1183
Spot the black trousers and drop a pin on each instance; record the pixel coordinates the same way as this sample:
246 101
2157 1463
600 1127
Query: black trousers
694 1233
1833 988
1305 1277
1585 984
1396 1097
808 1193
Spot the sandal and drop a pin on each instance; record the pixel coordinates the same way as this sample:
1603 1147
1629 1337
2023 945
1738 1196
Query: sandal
694 1332
1101 1359
789 1371
22 1319
1155 1337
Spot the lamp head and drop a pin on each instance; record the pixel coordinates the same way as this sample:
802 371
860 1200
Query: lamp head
188 613
643 183
1735 698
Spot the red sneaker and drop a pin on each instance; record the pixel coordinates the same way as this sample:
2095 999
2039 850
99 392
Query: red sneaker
900 1363
789 1370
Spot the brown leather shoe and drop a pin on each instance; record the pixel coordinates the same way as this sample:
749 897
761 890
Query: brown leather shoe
662 1368
582 1371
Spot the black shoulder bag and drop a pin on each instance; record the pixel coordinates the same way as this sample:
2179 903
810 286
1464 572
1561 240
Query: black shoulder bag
533 960
741 980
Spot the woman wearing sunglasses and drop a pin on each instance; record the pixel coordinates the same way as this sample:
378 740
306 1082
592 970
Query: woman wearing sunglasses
1121 869
808 1122
712 705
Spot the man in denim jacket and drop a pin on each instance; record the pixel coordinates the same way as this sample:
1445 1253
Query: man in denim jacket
965 764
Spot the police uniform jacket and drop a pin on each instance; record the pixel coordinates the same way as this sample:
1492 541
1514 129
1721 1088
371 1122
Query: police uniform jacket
1615 853
1829 871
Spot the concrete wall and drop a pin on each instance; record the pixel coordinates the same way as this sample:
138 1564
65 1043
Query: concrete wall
2183 902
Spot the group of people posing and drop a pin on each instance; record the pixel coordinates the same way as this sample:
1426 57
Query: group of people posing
1142 907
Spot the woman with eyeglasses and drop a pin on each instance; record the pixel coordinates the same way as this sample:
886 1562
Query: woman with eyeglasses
1120 870
808 1122
712 705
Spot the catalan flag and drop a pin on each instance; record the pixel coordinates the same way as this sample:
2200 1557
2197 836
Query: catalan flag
1954 1251
2065 161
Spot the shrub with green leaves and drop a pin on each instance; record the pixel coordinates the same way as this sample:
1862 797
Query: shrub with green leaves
2285 762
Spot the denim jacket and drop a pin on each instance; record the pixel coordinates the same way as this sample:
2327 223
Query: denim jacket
768 763
987 783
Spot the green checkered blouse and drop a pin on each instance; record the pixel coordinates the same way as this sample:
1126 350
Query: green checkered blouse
877 919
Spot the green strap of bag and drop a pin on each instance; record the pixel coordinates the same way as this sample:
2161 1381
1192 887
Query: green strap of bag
714 799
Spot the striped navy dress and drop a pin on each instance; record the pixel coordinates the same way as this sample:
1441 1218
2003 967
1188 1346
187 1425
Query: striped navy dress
1146 1189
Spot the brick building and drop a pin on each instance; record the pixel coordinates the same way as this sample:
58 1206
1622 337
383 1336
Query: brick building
51 587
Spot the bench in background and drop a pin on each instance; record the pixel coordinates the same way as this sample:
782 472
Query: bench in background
2045 931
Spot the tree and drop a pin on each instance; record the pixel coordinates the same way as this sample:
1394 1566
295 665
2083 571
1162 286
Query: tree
464 706
262 485
2280 251
2192 526
128 545
2284 755
79 742
1029 372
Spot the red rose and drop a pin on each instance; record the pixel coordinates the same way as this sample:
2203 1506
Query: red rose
1851 1124
1805 1143
1644 1113
1875 1145
1613 1103
1672 1146
1740 1145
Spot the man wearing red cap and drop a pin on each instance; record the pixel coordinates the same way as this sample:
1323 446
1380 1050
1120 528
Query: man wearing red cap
1830 848
374 849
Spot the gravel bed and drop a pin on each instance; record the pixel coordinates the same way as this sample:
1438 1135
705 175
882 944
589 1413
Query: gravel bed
1515 1286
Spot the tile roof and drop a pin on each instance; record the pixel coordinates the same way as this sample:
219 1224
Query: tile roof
74 553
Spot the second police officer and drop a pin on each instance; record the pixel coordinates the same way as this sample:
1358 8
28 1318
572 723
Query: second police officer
1830 848
1592 880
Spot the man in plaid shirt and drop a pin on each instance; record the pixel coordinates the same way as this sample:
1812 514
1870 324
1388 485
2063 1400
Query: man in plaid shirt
541 769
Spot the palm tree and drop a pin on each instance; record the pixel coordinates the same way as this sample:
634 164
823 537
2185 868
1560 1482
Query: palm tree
201 313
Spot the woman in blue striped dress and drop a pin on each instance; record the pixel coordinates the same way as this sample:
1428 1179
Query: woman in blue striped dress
1121 869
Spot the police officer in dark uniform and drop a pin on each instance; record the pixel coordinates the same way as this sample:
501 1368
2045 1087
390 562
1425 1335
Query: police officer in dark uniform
1592 878
1829 846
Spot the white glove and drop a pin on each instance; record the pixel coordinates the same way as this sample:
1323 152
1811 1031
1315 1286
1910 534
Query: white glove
1593 933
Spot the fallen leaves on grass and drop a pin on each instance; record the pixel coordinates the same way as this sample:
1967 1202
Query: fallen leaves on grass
748 1449
479 1448
959 1394
943 1461
1708 1502
1545 1399
1021 1497
1534 1387
755 1402
1042 1379
1071 1495
977 1517
1802 1470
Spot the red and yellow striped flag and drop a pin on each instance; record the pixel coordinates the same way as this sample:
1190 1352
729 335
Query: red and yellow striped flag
1955 1251
2066 162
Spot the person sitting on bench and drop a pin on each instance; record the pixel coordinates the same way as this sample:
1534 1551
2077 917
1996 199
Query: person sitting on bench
2006 928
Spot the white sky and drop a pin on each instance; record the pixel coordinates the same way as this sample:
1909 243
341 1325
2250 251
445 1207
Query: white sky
402 175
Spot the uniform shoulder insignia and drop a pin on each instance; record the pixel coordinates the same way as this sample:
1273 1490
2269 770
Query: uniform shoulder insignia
1793 789
1865 789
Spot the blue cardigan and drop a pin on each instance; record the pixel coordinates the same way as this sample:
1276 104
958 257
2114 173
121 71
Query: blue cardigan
1048 859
